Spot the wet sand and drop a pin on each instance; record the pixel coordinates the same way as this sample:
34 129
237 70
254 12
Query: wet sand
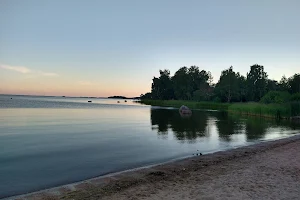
269 170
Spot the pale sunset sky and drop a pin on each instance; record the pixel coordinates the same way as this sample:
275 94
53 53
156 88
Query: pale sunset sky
115 47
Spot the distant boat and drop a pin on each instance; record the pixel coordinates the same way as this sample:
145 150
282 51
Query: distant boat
125 101
118 101
90 101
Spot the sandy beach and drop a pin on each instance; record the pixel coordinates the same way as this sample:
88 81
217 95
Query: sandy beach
268 170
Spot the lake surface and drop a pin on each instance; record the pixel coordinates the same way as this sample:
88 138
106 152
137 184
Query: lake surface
51 141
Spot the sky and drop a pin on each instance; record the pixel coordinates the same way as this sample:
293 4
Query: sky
115 47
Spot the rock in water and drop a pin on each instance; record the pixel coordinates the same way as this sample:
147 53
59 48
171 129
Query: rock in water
185 111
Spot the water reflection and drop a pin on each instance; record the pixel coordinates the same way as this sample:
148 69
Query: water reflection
224 125
256 128
229 124
184 128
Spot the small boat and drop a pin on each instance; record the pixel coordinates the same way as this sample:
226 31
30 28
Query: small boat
90 101
125 101
118 101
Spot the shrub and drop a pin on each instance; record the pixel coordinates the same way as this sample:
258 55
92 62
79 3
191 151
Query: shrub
275 97
295 97
217 100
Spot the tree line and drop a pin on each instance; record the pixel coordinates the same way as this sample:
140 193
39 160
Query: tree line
195 84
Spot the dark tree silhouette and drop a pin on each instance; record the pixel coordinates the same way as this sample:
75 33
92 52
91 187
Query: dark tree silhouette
195 84
294 83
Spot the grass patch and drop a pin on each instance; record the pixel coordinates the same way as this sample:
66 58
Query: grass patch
284 110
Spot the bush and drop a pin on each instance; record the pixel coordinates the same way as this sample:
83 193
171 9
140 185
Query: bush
217 100
275 97
295 97
267 110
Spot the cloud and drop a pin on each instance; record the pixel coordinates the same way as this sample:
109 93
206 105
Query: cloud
85 83
20 69
25 70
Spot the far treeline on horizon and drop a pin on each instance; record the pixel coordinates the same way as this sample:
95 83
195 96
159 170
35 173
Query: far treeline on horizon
196 85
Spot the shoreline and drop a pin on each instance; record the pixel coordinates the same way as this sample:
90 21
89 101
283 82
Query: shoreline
280 111
109 184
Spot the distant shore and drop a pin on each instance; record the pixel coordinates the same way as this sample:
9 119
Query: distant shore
122 97
260 171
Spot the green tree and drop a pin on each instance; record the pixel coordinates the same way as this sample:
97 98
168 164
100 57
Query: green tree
162 87
228 87
272 85
199 81
242 87
295 97
284 84
148 95
294 83
204 93
181 83
256 83
276 97
191 83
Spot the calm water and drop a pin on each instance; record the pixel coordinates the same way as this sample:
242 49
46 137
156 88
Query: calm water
50 141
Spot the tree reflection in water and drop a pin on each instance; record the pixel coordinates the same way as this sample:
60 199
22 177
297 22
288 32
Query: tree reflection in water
226 125
230 124
184 128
